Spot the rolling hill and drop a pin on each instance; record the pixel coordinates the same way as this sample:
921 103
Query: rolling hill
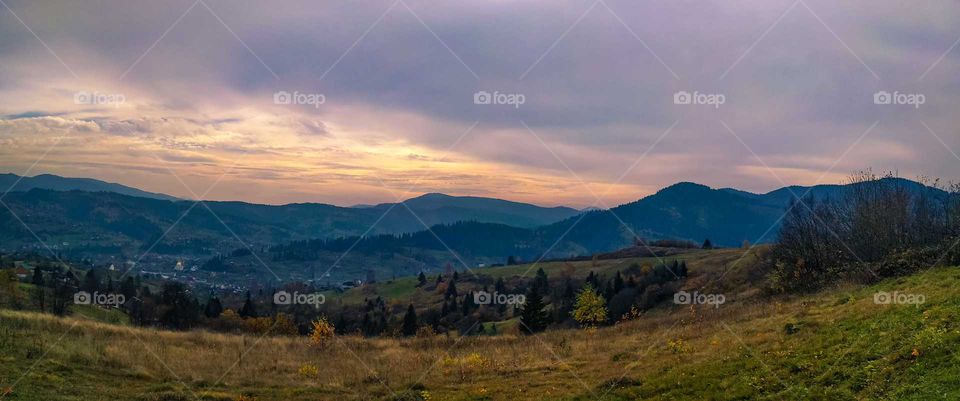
479 230
16 183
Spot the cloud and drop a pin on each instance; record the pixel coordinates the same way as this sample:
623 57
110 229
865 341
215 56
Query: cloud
598 81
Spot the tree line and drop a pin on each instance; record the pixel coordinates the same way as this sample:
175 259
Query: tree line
879 226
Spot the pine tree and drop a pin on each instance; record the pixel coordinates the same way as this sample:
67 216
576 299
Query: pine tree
91 283
451 290
410 322
248 309
40 292
421 280
617 283
541 282
467 305
532 317
213 308
707 244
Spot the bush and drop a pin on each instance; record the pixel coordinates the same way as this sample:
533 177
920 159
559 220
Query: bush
322 334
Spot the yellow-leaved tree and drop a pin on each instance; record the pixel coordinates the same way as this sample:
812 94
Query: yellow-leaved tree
590 309
322 334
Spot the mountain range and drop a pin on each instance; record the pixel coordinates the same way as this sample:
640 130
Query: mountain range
13 182
90 218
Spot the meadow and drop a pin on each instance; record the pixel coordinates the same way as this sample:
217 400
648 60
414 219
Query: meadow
835 344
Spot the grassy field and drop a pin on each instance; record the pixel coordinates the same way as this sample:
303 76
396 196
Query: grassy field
834 345
405 289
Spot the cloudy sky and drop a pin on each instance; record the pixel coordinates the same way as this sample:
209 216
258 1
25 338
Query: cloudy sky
187 97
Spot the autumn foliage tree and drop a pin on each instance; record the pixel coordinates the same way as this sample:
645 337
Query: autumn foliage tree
591 308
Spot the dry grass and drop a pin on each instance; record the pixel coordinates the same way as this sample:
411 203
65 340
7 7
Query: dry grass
737 350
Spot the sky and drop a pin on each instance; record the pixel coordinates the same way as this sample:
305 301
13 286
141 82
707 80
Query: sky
554 102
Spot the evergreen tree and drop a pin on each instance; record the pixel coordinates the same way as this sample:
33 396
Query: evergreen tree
213 309
451 290
532 317
421 280
707 244
39 291
37 279
541 282
617 283
91 283
248 309
178 310
499 286
128 288
467 305
410 322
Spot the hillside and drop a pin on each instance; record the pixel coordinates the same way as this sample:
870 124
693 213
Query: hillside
16 183
297 239
95 219
440 208
837 344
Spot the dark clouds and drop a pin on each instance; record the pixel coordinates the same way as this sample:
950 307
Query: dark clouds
598 78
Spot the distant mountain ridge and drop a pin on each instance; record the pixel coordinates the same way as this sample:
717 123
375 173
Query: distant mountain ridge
478 230
436 208
13 182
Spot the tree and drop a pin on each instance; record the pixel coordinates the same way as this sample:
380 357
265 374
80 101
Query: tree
468 305
410 322
322 332
91 283
178 310
214 308
421 280
532 317
128 288
707 244
541 282
39 292
451 290
248 309
617 283
591 308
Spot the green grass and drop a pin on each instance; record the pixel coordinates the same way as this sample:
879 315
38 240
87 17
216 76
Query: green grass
836 344
405 288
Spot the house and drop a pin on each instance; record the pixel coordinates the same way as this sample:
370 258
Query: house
22 273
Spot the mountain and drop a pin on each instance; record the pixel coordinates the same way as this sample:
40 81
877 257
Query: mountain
15 182
131 224
694 212
389 238
436 208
